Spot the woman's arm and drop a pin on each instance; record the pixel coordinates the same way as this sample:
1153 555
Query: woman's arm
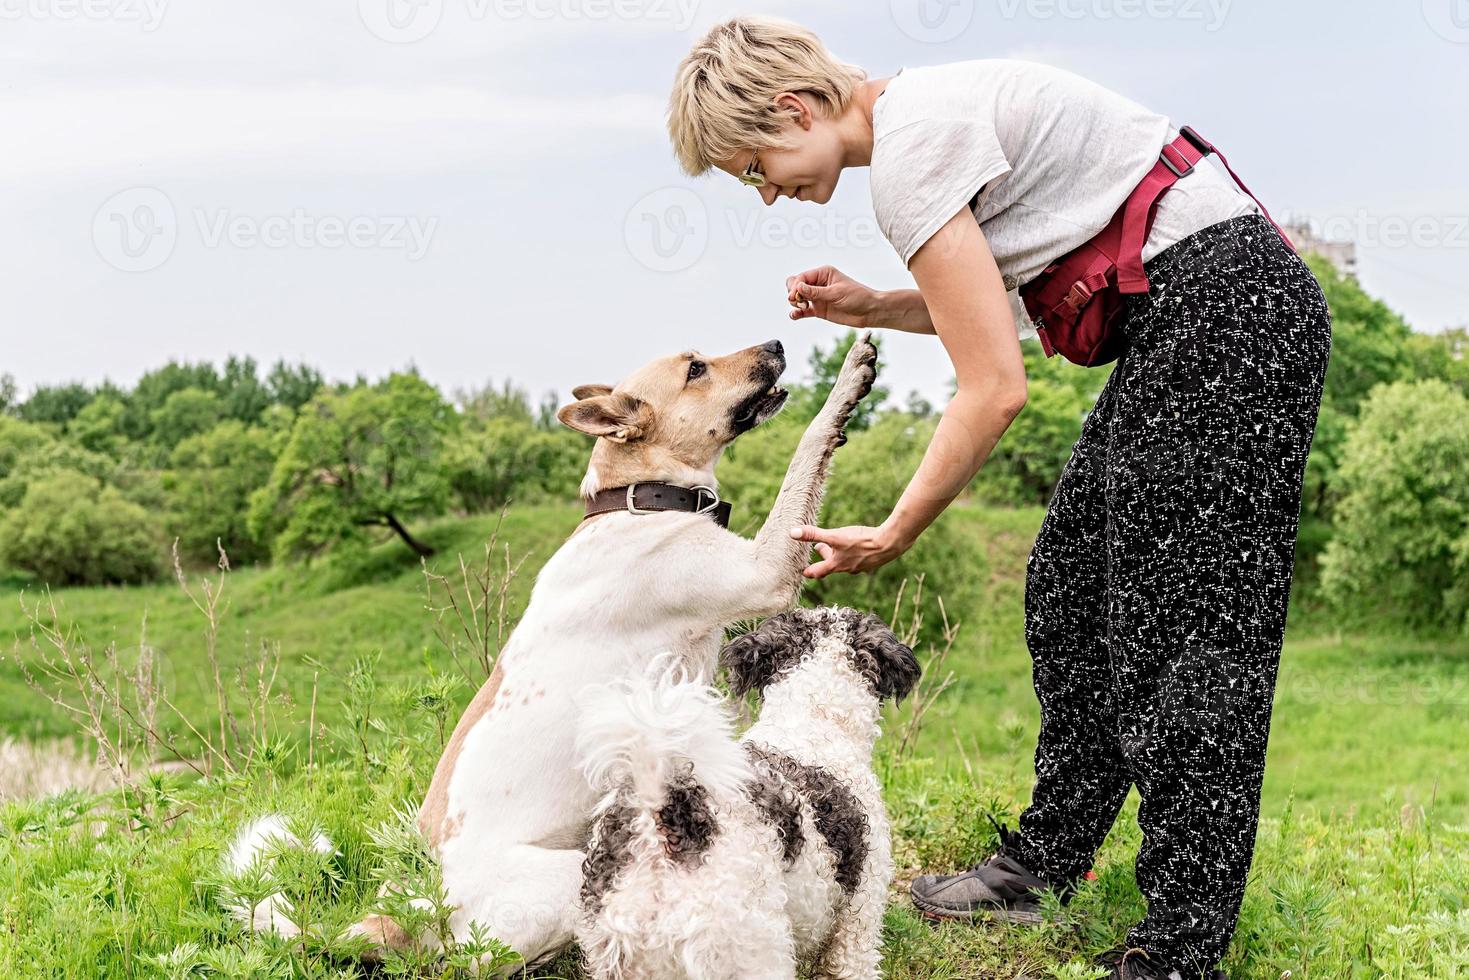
962 292
830 294
904 309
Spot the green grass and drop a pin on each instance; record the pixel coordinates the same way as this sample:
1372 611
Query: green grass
324 616
1360 864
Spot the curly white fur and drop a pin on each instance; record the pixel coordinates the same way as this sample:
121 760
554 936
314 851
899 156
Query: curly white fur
736 912
637 737
637 731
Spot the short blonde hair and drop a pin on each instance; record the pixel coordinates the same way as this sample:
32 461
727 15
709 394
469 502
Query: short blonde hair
723 97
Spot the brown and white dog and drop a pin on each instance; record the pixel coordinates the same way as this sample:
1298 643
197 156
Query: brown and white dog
508 810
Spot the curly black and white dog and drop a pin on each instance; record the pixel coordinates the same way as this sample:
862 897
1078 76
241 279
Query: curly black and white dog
713 858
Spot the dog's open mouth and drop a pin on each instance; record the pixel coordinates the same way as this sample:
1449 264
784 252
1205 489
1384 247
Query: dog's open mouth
759 408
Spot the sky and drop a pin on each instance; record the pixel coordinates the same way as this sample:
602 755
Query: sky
484 188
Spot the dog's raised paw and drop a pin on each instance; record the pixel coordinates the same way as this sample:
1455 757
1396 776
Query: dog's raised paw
862 352
859 372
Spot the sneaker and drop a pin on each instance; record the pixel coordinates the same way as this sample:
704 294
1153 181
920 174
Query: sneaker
1136 964
996 888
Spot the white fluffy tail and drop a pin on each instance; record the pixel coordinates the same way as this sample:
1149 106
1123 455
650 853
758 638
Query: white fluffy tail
272 913
638 733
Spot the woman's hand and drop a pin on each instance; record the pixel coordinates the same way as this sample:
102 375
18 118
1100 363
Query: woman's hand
849 549
830 294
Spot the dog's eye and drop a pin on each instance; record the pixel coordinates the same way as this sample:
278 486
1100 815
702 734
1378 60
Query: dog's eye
696 369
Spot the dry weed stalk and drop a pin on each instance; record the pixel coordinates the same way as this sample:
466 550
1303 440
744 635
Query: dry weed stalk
116 706
936 678
472 616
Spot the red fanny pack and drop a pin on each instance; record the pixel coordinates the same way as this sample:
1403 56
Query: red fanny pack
1076 301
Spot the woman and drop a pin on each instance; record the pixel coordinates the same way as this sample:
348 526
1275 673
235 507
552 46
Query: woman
1157 588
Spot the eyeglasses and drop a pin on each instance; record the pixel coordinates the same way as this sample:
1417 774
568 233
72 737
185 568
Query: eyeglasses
752 175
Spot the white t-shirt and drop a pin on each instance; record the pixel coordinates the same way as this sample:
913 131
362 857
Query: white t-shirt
1043 157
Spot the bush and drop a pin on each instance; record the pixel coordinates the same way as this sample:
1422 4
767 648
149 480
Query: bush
187 412
18 442
209 490
1401 543
505 458
37 458
70 530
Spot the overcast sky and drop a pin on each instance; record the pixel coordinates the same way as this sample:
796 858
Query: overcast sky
484 188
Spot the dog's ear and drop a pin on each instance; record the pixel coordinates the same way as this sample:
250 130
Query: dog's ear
886 661
590 391
756 657
618 417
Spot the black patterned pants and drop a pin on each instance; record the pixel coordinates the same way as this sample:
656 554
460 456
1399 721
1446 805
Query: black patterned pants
1157 589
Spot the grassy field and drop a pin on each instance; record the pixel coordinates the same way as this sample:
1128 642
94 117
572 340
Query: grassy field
1362 855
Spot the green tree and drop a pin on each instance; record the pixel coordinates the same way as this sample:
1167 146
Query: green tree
292 386
510 458
9 395
29 454
1400 546
824 366
208 490
369 456
242 394
57 404
19 441
71 530
154 388
184 413
1442 355
1369 347
546 412
99 425
489 402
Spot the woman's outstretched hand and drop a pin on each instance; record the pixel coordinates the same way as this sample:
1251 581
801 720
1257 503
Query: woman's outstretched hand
830 294
849 549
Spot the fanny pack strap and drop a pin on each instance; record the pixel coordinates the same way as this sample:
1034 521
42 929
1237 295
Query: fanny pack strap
1177 161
